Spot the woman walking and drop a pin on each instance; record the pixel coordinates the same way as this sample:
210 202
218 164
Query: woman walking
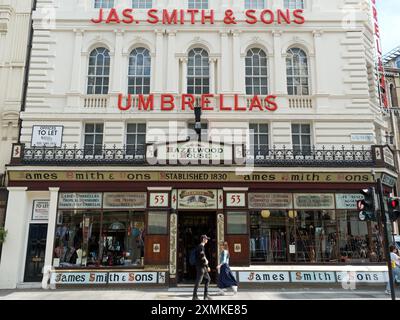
225 277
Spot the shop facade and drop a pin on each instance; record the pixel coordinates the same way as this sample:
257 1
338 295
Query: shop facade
109 227
115 175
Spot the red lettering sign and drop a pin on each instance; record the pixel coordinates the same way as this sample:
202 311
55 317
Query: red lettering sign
208 102
193 16
381 72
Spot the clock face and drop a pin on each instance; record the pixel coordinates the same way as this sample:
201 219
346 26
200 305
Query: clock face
361 216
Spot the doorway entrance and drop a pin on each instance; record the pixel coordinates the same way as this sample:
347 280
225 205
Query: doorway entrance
191 225
35 253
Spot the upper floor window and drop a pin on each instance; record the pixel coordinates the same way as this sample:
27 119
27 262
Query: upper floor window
198 4
93 138
294 4
297 72
139 71
99 71
142 4
104 4
136 139
398 62
256 72
301 138
254 4
259 139
198 72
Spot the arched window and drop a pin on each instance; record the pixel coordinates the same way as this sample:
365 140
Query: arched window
139 71
198 4
142 4
104 4
99 71
256 72
254 4
297 72
198 72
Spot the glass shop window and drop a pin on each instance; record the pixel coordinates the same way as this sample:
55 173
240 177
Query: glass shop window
359 241
268 236
122 238
313 236
92 238
77 238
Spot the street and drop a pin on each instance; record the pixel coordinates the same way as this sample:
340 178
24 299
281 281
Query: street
186 294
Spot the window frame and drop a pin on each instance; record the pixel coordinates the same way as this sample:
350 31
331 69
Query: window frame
142 4
260 76
300 76
301 150
258 134
294 4
136 133
255 4
133 57
93 145
100 4
91 88
204 72
198 4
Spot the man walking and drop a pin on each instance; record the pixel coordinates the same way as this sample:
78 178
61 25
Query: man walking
202 269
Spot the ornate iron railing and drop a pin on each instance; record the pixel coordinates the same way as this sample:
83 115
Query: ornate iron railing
100 155
324 156
92 155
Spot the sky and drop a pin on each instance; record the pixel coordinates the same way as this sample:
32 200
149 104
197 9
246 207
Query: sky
389 22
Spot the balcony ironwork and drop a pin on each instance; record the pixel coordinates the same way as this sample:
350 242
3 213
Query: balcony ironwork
267 157
313 157
88 155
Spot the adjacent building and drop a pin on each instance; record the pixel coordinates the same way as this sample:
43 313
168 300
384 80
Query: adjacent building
14 31
392 74
118 173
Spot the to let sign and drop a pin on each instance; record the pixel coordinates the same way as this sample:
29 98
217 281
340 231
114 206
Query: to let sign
40 210
46 136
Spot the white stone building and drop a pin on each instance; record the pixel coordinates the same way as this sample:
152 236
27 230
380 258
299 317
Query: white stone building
14 32
298 73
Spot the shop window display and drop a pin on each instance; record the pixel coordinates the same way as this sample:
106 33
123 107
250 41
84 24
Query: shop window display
268 241
75 229
123 238
313 236
95 238
358 241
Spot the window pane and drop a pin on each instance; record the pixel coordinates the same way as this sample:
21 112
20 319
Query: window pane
157 222
141 127
89 127
237 223
131 127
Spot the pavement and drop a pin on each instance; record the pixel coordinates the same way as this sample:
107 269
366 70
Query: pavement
185 293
